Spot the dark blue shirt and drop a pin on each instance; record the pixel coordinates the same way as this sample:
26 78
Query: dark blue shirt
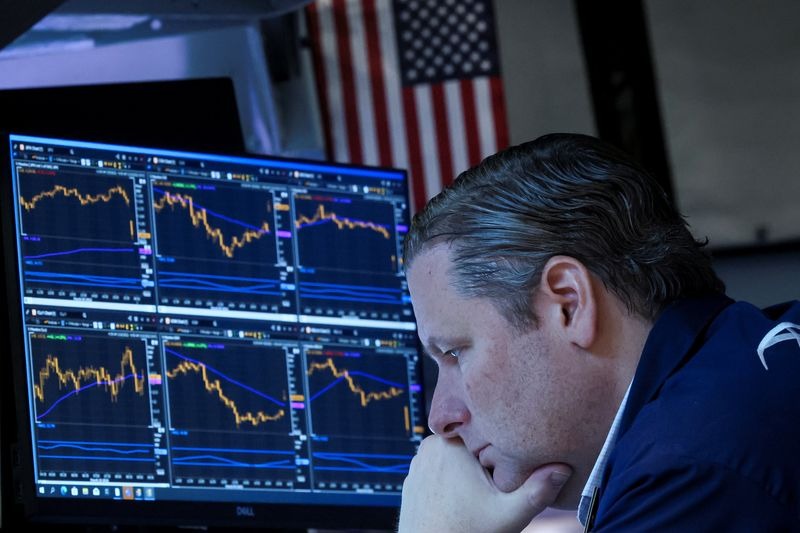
710 436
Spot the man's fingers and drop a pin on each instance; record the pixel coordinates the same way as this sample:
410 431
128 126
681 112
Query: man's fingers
544 486
540 490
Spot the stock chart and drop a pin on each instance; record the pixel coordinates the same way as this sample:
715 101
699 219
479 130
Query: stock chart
368 443
231 411
358 271
218 245
94 403
80 235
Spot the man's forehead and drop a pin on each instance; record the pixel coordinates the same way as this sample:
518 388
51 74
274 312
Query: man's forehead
435 260
432 296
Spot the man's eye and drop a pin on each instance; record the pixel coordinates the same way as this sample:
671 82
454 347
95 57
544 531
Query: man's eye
451 353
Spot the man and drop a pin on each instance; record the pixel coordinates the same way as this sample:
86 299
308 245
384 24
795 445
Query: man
589 358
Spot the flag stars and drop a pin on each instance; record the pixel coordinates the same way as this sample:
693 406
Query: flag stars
438 42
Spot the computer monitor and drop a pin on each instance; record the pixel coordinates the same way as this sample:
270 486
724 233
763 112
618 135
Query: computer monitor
204 339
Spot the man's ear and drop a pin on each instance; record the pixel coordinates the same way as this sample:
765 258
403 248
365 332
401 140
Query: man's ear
566 295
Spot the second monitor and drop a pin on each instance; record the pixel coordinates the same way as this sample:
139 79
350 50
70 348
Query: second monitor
204 331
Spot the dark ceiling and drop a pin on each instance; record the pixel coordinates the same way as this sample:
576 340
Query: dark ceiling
31 27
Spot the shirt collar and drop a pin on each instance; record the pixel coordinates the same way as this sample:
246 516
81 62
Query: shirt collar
596 477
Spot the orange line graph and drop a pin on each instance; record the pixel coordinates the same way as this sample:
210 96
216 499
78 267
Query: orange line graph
199 217
364 396
84 199
341 222
214 386
101 376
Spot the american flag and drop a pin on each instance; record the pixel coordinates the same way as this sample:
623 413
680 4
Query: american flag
412 84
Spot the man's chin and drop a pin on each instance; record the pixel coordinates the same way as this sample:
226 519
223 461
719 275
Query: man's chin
507 481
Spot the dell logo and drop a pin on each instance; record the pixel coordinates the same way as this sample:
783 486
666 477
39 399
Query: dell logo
245 510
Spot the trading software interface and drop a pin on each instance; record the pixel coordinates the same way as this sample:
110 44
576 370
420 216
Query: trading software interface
196 323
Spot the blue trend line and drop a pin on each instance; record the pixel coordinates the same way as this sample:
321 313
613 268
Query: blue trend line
207 282
79 250
376 378
223 461
353 293
335 455
283 465
76 391
96 443
33 276
212 276
226 378
88 448
330 385
341 286
372 300
231 450
252 290
88 458
218 215
351 458
398 469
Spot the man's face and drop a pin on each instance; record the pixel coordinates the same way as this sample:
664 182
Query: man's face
518 399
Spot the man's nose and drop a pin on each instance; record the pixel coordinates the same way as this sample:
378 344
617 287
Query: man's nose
448 411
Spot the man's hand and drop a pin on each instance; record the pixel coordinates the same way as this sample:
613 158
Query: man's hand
447 490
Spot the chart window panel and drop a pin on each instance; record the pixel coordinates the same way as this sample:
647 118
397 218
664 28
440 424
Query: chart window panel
97 413
221 245
364 414
232 414
346 233
348 249
81 233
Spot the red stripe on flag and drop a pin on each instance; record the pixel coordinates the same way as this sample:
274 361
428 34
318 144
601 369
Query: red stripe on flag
348 83
321 82
499 109
442 134
470 123
376 78
414 150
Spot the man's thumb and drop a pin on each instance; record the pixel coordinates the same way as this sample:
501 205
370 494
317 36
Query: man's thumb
543 486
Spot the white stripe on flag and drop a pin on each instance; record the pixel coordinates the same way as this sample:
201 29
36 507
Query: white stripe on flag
455 124
485 110
427 140
391 76
361 75
330 54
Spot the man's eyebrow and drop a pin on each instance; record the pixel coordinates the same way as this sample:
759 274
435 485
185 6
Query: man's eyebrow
436 345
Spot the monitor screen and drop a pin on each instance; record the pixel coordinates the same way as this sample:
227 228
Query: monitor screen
208 339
